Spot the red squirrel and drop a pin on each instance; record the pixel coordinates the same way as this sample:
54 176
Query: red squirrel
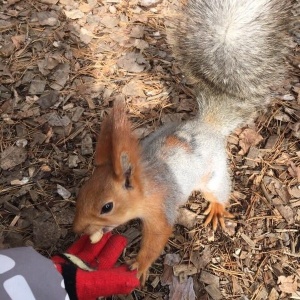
234 50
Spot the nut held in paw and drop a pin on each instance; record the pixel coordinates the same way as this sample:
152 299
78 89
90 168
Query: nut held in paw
96 236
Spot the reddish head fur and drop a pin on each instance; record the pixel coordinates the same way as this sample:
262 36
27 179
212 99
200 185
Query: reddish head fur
116 178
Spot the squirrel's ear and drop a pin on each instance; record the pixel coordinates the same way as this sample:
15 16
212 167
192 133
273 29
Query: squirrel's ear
104 142
127 170
126 148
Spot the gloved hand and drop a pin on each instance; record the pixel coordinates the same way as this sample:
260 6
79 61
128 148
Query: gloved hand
89 272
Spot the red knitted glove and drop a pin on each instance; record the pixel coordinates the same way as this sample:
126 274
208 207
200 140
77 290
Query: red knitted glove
88 269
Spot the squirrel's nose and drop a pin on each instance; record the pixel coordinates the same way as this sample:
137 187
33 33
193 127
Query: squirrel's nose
77 228
79 225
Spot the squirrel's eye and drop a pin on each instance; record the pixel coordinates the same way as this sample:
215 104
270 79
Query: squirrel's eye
106 208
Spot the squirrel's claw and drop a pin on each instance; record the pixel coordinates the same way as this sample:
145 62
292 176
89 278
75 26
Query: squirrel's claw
216 213
141 274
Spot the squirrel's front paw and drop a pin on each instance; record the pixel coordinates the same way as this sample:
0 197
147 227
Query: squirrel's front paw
142 271
216 213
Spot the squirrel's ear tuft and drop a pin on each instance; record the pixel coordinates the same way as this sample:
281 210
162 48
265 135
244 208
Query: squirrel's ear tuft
125 148
104 143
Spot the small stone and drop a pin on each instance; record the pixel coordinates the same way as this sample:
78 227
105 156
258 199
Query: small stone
112 9
288 97
63 192
21 143
23 181
148 3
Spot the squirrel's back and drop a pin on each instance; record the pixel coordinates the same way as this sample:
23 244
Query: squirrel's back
234 51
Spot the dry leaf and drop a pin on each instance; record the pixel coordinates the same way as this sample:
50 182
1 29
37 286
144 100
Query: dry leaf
86 36
60 76
201 261
236 288
137 32
132 62
248 138
37 87
49 18
171 259
287 284
74 14
109 21
186 218
184 269
48 99
294 171
18 40
133 88
55 120
253 157
274 295
182 291
12 156
295 191
141 44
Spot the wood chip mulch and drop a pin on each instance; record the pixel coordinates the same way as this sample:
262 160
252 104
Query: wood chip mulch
62 64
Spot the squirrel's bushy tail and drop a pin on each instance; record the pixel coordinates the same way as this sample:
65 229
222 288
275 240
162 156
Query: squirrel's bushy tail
234 51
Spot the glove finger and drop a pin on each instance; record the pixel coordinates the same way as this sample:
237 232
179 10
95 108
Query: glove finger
74 249
57 259
91 251
90 285
78 246
111 251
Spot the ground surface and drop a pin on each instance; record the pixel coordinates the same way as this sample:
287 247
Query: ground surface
62 64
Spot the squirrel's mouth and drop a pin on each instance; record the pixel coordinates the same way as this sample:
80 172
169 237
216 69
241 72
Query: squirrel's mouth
97 235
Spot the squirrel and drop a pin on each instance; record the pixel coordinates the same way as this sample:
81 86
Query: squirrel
234 51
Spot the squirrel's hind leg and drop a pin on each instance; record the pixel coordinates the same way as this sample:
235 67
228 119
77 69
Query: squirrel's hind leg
216 189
